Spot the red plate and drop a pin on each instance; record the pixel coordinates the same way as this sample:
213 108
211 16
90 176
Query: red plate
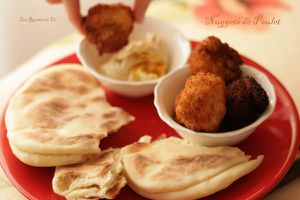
277 138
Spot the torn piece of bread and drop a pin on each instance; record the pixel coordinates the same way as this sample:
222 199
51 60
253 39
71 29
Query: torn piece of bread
99 177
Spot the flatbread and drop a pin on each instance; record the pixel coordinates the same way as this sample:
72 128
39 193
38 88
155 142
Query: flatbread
62 110
206 188
172 168
99 177
48 160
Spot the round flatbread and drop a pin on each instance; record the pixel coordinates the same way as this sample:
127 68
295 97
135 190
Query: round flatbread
62 111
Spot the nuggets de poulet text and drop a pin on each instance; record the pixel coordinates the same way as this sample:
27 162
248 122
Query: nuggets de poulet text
200 106
246 100
211 55
108 26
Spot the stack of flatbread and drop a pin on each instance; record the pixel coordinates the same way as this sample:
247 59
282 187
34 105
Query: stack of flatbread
170 168
59 116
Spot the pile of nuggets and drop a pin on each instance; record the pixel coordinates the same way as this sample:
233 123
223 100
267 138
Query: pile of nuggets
216 97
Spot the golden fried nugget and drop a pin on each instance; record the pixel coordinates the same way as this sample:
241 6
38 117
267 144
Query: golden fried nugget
108 26
211 55
200 106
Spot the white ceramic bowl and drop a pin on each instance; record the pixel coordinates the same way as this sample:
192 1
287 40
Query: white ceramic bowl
177 45
167 89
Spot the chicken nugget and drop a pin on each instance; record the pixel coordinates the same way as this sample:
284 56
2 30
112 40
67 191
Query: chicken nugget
211 55
200 106
108 26
246 100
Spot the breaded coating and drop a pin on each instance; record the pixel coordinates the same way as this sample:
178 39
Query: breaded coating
108 26
200 106
211 55
246 100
